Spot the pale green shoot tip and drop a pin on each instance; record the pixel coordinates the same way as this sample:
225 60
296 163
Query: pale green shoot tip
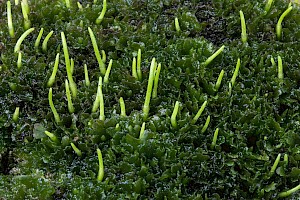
101 167
77 151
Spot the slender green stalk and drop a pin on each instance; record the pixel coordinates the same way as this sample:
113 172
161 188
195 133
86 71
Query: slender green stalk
73 86
206 124
96 50
96 103
157 72
44 45
174 114
286 159
146 107
25 12
289 192
55 68
101 117
68 93
101 167
95 1
79 5
142 132
56 116
177 27
118 127
11 29
230 89
19 62
268 5
86 76
139 61
212 57
103 56
51 136
20 40
122 105
280 68
108 71
244 29
200 111
273 61
275 165
279 26
38 39
72 65
213 144
134 72
101 16
236 72
218 83
16 114
16 2
77 151
68 4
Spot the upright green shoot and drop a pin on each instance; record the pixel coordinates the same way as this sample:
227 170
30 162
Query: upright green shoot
289 192
19 62
96 50
218 83
72 65
16 114
77 151
280 68
139 61
146 107
108 71
101 16
268 5
200 111
286 159
134 72
275 164
157 72
56 116
273 61
25 12
44 45
68 93
16 2
51 136
101 101
68 4
101 167
53 75
174 114
236 72
177 27
11 29
38 39
244 30
142 132
96 103
103 56
122 106
212 57
79 5
206 124
213 144
20 40
279 26
73 86
86 76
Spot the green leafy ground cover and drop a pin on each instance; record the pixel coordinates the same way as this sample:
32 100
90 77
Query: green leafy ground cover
257 116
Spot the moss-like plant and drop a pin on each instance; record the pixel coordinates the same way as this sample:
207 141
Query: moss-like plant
16 114
101 167
206 124
77 151
146 107
174 114
53 75
38 39
96 50
212 57
101 16
20 40
157 72
86 76
56 116
244 29
200 111
45 42
11 29
122 106
69 99
105 80
279 23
